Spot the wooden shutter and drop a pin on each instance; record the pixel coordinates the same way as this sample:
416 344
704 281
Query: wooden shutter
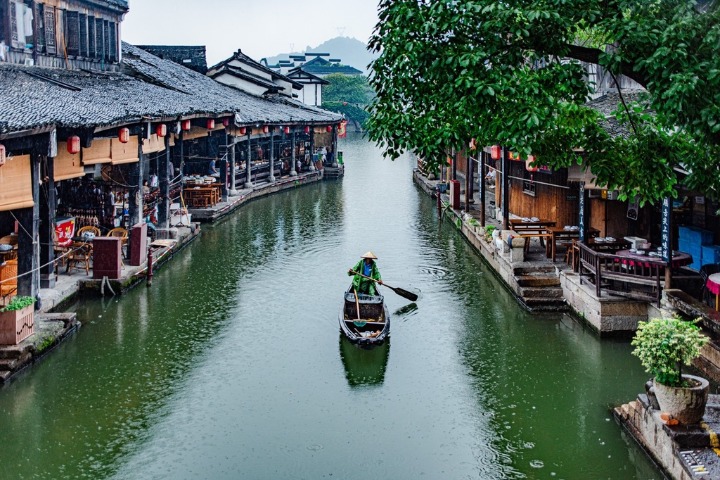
113 42
67 165
92 53
15 177
50 31
72 33
106 40
83 34
99 39
39 19
14 34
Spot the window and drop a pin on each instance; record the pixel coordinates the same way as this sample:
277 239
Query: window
113 42
50 31
106 40
99 40
21 25
529 187
39 24
72 34
83 33
92 52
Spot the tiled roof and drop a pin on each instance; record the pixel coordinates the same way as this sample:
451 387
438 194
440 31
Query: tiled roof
607 104
190 56
150 87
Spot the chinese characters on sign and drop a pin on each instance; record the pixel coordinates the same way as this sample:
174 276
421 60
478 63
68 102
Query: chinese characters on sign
665 231
581 220
64 231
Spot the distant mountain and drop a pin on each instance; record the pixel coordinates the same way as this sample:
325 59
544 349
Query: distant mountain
350 51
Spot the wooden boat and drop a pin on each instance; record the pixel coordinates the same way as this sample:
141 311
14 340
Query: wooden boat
373 326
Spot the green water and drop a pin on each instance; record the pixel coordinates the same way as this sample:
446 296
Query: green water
231 365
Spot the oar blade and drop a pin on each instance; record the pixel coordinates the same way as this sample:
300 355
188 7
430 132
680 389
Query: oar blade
405 294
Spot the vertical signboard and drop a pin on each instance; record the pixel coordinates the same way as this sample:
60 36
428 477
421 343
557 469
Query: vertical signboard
581 219
666 226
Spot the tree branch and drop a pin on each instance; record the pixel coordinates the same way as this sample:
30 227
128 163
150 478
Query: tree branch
592 55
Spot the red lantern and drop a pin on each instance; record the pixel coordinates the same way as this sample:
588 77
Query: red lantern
495 152
124 135
286 130
2 155
73 144
185 125
226 122
528 163
161 130
242 130
266 129
307 129
210 124
328 128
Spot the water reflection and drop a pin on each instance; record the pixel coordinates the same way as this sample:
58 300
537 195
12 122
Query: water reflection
364 366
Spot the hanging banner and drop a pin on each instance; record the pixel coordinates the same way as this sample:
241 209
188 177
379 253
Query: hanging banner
665 229
342 129
64 231
581 219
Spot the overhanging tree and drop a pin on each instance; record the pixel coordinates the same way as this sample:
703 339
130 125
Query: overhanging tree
509 73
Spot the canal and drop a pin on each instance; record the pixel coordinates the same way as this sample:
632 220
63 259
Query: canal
232 366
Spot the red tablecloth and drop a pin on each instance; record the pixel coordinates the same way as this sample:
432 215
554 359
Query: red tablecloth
631 259
713 283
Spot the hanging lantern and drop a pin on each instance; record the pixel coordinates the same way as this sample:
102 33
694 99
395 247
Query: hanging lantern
73 144
124 135
242 130
286 130
528 163
185 125
161 130
307 129
2 155
266 129
226 122
495 152
210 124
328 128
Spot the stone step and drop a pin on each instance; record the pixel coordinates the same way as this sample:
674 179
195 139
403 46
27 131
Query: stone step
537 281
542 304
4 375
11 351
534 269
546 292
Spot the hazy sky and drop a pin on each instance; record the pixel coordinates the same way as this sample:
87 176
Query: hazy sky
260 28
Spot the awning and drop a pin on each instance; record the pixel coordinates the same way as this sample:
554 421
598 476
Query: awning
67 165
153 144
16 181
98 153
124 152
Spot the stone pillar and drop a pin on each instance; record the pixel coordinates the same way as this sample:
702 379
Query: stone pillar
293 172
248 162
312 149
271 178
48 205
135 196
231 153
164 176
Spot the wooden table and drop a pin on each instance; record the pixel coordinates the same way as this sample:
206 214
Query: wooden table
632 259
558 233
713 286
528 229
201 197
615 245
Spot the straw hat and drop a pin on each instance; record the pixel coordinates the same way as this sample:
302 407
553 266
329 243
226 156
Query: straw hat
369 255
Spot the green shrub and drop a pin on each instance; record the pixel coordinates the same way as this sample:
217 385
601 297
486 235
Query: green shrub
664 345
18 303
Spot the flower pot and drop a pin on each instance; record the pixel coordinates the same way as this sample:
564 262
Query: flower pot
17 325
687 405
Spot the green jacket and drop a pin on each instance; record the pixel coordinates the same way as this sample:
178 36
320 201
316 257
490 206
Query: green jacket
363 285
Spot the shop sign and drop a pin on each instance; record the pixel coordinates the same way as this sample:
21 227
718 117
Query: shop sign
64 231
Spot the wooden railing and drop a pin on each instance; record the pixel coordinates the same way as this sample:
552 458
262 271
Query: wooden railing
642 281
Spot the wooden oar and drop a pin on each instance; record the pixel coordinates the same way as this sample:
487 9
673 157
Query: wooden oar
403 293
359 322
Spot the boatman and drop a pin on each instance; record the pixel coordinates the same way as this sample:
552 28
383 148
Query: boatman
366 266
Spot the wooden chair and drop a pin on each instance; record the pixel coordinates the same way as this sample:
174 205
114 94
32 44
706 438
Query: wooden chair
88 229
8 280
80 257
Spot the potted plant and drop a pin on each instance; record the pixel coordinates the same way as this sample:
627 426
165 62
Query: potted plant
17 321
663 346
